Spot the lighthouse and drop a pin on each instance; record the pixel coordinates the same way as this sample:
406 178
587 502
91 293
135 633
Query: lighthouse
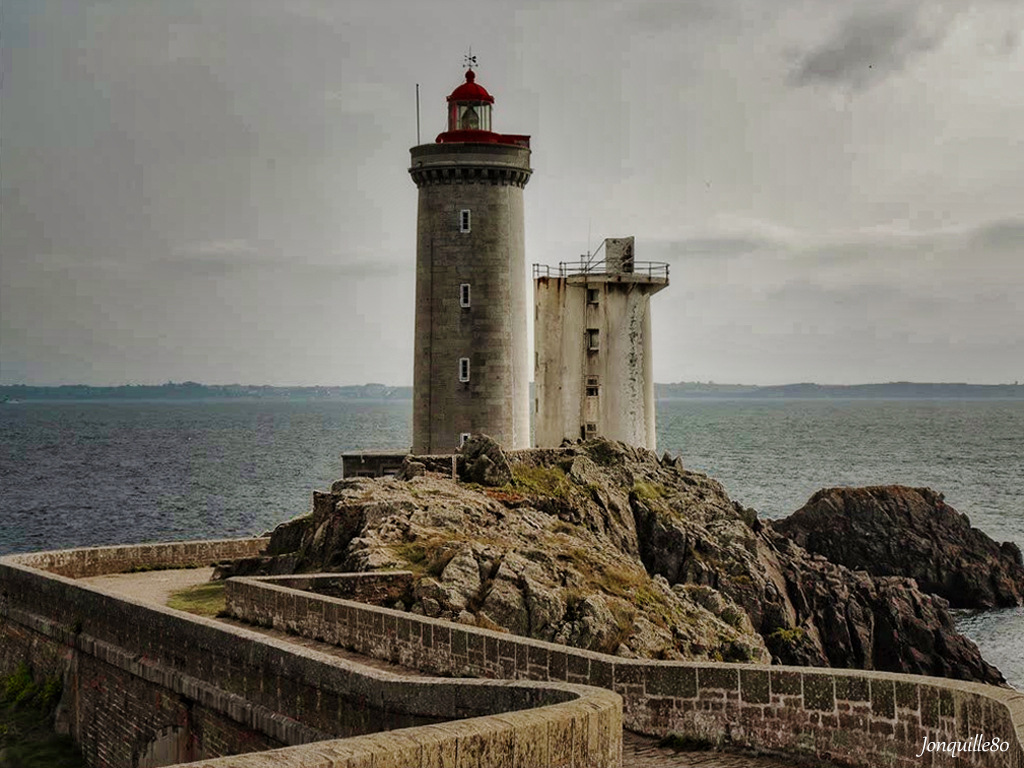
471 366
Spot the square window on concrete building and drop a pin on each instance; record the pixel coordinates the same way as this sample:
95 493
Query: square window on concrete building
592 339
463 438
464 295
591 428
593 391
464 220
593 294
463 369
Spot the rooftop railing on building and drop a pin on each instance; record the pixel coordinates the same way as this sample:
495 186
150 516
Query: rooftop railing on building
651 269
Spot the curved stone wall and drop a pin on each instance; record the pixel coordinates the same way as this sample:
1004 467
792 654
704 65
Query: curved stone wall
854 717
141 679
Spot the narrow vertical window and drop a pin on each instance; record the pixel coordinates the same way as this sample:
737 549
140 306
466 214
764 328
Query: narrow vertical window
463 369
592 339
593 295
464 295
464 220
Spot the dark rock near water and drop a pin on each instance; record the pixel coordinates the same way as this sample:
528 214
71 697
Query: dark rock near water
909 532
850 619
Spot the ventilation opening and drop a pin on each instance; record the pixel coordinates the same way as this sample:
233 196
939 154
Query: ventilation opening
464 295
464 220
463 369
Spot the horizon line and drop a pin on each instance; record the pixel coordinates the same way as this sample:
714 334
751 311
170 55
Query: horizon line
707 383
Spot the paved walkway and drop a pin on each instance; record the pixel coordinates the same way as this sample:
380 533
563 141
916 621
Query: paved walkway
637 751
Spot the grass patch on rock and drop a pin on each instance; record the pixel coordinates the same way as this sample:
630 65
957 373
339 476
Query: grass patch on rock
542 481
202 599
649 491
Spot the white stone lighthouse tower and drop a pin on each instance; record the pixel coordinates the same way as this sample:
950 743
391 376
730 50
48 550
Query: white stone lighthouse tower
471 367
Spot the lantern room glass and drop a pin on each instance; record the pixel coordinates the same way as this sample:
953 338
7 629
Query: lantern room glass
470 116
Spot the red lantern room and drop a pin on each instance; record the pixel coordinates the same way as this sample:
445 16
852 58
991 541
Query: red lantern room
469 117
469 106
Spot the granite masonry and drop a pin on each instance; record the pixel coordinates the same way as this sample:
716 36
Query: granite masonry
146 686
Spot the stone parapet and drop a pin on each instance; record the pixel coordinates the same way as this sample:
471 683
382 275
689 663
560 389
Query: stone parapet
858 718
157 685
100 561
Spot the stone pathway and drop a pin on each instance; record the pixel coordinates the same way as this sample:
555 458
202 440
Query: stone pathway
643 752
151 586
637 751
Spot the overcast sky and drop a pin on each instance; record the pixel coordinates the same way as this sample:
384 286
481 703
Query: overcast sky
217 190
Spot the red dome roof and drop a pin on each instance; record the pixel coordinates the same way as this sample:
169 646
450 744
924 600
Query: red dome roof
470 91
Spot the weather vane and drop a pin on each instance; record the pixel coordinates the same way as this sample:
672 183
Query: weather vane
469 60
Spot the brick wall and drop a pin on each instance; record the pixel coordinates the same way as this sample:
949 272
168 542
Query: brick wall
146 686
861 718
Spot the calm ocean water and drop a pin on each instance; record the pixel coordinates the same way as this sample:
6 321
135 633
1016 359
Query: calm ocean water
90 473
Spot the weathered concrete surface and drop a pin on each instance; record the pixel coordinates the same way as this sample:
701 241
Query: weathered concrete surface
617 362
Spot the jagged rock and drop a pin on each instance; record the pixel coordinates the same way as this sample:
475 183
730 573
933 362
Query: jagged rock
411 468
482 461
808 610
851 619
505 603
604 546
461 579
898 531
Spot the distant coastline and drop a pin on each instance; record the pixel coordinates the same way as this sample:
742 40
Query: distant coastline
190 390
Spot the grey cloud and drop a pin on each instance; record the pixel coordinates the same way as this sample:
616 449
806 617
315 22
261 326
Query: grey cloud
1000 235
871 45
664 16
713 247
223 264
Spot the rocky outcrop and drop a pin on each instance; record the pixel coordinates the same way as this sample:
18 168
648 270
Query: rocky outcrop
482 461
809 610
910 532
603 546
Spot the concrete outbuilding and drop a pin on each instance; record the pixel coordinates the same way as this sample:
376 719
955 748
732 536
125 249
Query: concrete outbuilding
592 335
471 365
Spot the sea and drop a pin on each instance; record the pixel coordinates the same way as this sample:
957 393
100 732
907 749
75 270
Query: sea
86 473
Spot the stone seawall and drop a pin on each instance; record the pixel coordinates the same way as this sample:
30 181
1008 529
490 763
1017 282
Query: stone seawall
859 718
148 686
100 561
